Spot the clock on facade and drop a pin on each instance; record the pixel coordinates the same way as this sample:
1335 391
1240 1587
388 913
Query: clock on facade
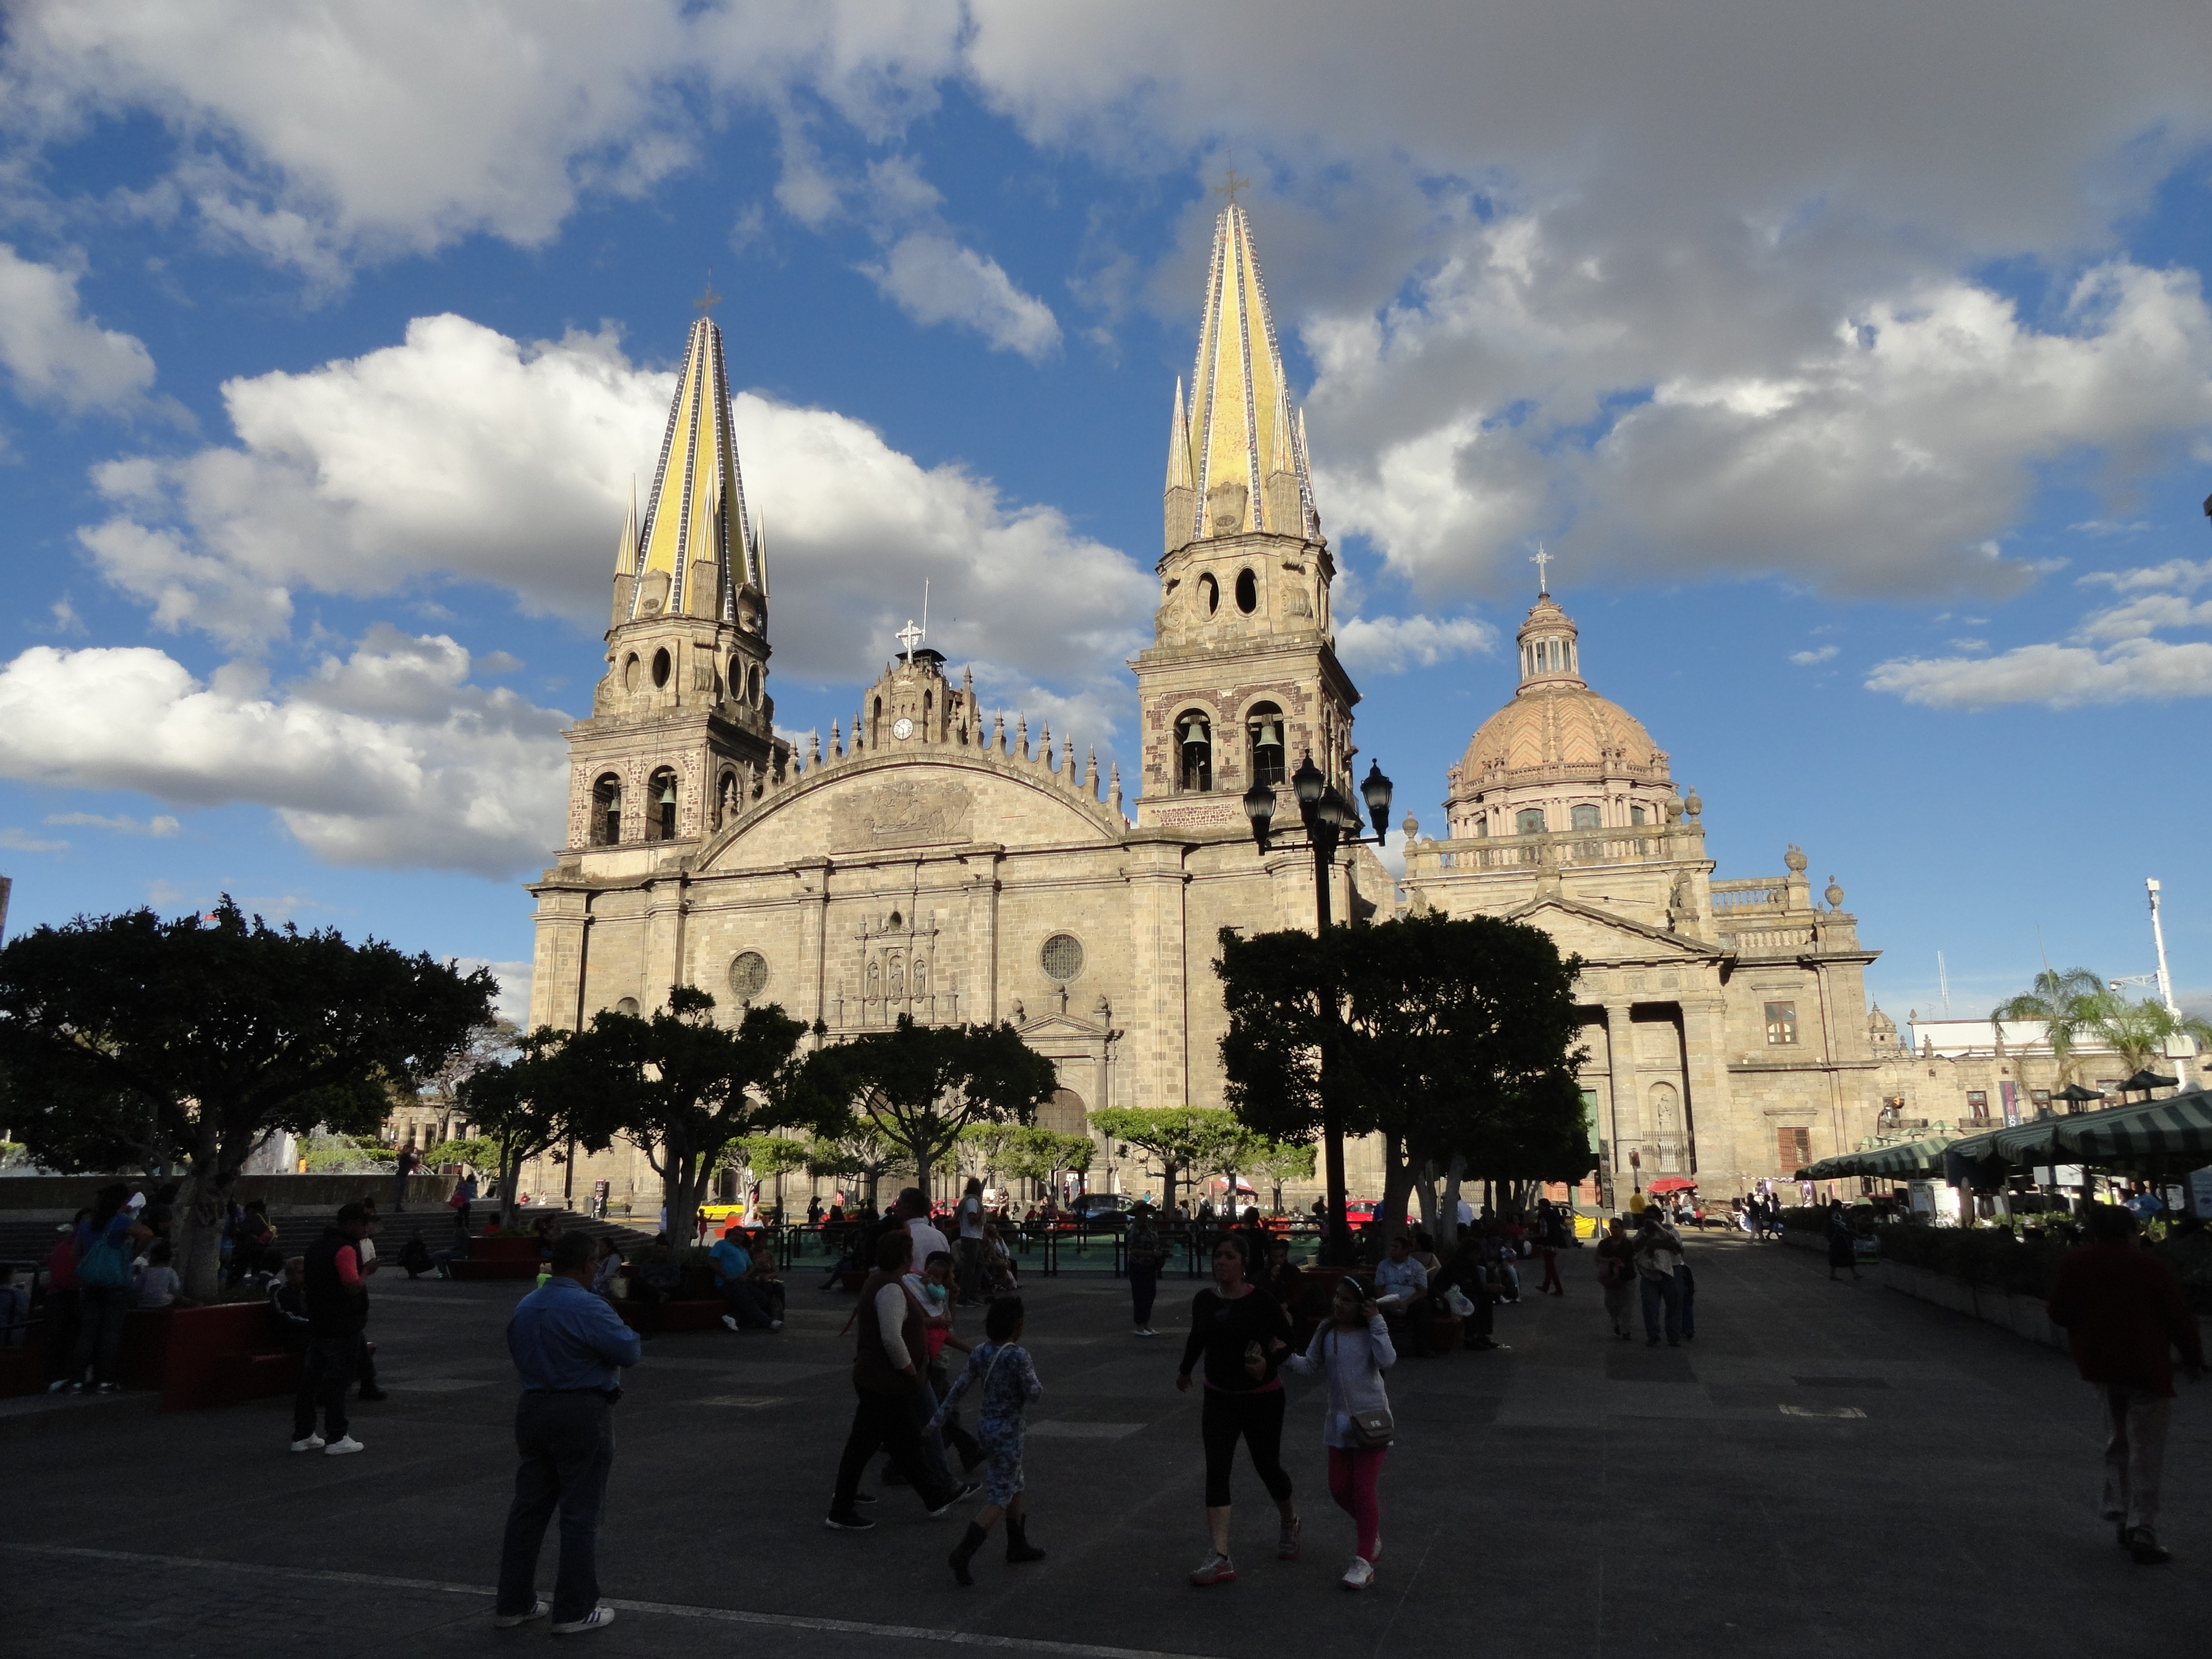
903 729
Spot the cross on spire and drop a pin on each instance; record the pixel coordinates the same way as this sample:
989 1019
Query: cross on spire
909 637
707 299
1543 585
1231 182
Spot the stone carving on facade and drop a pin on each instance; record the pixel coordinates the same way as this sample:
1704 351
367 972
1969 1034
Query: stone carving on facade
909 812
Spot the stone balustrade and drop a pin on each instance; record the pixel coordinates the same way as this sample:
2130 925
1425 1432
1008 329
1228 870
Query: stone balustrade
1558 849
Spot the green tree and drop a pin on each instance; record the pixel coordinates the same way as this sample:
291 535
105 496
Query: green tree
771 1157
682 1089
1187 1142
1278 1162
2069 1007
853 1149
524 1103
2138 1030
1038 1155
476 1151
217 1032
1444 1036
921 1086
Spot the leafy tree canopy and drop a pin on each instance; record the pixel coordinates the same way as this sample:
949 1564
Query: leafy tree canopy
212 1033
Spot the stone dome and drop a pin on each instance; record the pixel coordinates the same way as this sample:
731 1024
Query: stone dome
1559 731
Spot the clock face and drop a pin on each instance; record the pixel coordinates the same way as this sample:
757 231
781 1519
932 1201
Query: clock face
903 729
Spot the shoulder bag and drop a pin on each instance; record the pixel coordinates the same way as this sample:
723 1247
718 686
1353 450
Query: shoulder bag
1369 1430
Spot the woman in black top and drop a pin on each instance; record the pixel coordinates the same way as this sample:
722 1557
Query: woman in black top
1243 1334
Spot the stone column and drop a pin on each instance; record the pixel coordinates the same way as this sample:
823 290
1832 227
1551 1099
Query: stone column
1721 1139
1627 1098
668 901
1157 1017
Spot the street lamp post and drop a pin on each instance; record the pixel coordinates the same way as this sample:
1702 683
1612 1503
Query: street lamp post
1330 822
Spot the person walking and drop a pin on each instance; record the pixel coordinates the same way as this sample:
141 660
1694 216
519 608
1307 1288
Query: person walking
409 1161
1353 1350
1616 1275
336 1304
1145 1255
1242 1333
1006 1381
2124 1316
1551 1239
103 1246
1658 1249
63 1292
568 1348
887 1381
1841 1252
970 1220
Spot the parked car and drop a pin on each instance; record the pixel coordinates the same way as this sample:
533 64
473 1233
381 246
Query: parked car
1100 1211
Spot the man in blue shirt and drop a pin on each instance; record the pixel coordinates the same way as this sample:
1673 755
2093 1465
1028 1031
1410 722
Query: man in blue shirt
748 1306
568 1347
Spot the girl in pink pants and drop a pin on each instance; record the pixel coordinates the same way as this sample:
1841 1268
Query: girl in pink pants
1353 1350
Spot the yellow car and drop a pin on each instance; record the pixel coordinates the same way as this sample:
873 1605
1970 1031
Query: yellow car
1585 1226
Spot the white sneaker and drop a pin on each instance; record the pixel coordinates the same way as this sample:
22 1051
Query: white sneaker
775 1324
340 1447
1359 1575
539 1609
592 1621
313 1442
729 1321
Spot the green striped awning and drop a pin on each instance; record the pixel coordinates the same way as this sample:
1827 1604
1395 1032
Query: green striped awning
2180 1125
2021 1144
1912 1158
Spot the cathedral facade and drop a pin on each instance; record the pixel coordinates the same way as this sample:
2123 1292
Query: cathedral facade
933 860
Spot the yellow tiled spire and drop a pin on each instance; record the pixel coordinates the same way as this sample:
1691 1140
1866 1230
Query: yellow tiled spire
696 521
1241 423
1179 445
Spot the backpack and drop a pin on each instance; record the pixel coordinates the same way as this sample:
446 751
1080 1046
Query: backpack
106 1265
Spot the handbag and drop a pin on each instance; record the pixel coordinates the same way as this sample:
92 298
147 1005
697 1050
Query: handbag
1457 1300
1369 1430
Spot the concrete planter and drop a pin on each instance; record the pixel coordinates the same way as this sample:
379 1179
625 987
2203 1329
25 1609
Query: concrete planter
497 1258
2023 1315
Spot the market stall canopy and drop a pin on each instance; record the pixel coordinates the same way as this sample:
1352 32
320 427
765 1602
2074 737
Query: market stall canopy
2076 1093
1912 1158
2180 1125
1672 1184
2024 1143
2146 1080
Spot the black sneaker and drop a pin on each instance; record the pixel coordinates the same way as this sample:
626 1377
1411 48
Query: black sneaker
850 1521
965 1490
863 1497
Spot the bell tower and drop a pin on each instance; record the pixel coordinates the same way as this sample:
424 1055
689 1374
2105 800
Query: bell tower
1242 680
683 730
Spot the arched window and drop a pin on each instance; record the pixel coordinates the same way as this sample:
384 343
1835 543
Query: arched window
1264 726
728 801
606 811
1248 591
875 724
1528 821
738 679
660 806
1195 737
663 666
1209 593
1585 818
753 685
630 672
1636 815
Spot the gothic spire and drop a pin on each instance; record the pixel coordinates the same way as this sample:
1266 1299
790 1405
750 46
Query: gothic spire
1240 423
696 547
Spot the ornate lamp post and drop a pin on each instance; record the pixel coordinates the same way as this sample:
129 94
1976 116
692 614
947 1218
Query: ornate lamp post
1330 822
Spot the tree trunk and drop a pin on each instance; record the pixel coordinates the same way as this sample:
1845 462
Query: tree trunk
200 1209
681 1189
1397 1187
1425 1193
1167 1189
510 1172
1454 1173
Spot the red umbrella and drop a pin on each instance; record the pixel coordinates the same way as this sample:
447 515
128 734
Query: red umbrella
1673 1184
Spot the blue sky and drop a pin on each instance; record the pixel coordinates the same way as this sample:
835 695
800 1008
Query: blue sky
1862 387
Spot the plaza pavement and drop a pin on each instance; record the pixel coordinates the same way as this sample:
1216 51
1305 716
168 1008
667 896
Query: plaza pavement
1573 1496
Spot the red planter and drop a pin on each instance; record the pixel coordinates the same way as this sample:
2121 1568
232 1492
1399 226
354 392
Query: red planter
220 1356
498 1258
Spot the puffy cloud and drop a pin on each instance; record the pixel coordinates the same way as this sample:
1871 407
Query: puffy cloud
1391 645
935 280
313 135
1817 655
2113 656
388 757
461 453
56 354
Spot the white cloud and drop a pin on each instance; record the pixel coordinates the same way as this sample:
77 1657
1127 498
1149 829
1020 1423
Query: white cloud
1806 658
21 841
364 128
1391 645
463 454
2114 656
935 280
2060 675
2182 574
388 757
55 353
160 826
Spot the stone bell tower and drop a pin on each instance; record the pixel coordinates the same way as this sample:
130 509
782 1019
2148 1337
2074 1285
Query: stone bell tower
1242 681
682 731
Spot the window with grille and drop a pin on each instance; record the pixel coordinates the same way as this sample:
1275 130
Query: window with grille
1529 821
1061 957
1796 1148
1978 1105
1781 1023
1585 818
749 975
